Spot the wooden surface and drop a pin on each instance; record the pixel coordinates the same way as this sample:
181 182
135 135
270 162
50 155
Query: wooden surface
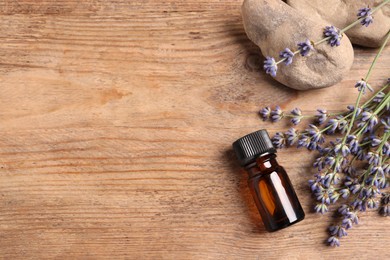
117 119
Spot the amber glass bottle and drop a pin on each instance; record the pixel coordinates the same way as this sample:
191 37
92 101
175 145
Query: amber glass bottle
268 182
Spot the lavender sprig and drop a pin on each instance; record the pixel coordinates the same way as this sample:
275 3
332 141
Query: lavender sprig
341 176
332 35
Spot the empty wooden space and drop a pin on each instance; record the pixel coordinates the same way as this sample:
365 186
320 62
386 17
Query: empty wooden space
116 124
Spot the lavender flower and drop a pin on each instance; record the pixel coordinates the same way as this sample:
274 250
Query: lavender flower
353 143
291 136
362 85
332 124
297 116
315 184
379 97
287 55
366 14
265 113
276 114
279 140
305 47
352 109
270 66
343 149
372 158
344 193
339 231
343 209
386 123
334 241
321 116
334 34
375 141
321 208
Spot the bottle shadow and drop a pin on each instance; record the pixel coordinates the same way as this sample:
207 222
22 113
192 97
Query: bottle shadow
248 205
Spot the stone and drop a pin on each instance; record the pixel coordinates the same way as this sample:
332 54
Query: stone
273 25
342 13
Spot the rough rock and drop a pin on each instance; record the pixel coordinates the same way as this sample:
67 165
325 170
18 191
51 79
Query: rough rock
273 25
344 12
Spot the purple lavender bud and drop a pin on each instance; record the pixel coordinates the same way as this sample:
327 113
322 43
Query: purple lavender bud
303 141
279 140
334 197
265 113
337 231
334 241
323 196
334 34
379 97
297 116
343 125
386 123
377 170
353 216
291 136
366 115
319 163
288 55
366 14
372 203
343 209
330 160
346 223
321 116
373 158
332 124
372 123
296 112
305 47
352 108
353 143
326 181
344 193
355 188
270 66
367 21
362 85
375 141
276 114
343 149
321 208
315 184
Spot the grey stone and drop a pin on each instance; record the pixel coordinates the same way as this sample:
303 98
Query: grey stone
342 13
273 25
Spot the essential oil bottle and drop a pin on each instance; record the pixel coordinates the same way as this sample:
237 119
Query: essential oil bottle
268 182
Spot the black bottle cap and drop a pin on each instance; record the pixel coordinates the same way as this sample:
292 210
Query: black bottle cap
249 147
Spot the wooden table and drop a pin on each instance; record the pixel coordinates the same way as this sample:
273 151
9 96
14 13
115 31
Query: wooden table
117 119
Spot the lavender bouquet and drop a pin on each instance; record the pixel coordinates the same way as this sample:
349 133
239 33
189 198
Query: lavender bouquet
353 167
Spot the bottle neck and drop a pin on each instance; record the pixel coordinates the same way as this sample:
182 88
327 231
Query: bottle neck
261 164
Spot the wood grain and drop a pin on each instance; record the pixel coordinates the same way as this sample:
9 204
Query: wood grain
117 119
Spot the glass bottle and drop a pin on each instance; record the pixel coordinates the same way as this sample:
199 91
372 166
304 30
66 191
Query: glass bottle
268 182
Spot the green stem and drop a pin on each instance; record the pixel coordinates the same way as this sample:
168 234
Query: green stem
377 56
353 116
